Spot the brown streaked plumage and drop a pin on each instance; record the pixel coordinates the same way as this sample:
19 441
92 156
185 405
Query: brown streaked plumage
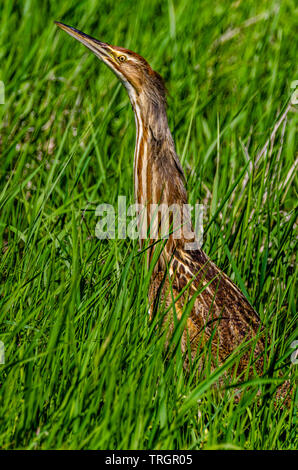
221 314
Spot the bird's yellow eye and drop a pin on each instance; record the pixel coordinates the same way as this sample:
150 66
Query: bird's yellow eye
122 58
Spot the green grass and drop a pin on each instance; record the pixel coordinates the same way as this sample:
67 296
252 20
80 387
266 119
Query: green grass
84 366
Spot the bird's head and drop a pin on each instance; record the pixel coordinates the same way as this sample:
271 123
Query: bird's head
131 68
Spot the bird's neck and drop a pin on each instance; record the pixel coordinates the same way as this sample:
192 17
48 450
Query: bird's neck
158 175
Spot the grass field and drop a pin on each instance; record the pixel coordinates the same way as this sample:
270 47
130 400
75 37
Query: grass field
84 368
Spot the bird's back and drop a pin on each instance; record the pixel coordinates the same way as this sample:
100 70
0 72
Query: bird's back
221 315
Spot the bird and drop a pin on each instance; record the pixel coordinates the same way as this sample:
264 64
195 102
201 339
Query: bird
220 316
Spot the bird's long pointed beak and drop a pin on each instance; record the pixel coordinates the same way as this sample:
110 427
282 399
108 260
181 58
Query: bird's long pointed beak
100 49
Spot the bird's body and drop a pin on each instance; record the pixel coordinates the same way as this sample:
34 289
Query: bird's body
220 314
220 310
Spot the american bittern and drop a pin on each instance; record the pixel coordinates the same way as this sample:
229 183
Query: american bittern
220 315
